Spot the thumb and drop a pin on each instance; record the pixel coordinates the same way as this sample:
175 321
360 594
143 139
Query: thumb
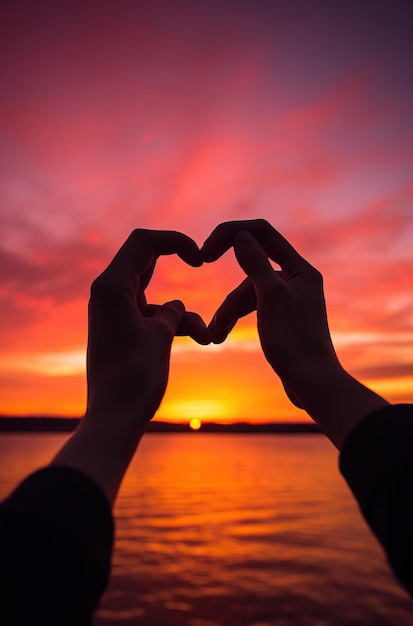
254 261
170 314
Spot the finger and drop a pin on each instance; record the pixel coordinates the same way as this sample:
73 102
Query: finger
240 302
192 325
143 247
136 258
147 275
172 242
170 314
272 242
150 309
141 301
254 262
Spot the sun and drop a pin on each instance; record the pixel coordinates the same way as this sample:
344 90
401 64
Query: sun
195 423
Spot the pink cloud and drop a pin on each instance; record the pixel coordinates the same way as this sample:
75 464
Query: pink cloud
132 116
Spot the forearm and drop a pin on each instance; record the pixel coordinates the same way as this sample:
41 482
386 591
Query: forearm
337 402
102 449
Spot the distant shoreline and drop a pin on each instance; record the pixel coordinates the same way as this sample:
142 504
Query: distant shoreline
69 424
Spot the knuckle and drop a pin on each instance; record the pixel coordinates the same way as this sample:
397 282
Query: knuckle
263 231
137 233
104 288
316 275
221 229
262 223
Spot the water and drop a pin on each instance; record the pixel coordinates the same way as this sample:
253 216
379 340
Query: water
234 530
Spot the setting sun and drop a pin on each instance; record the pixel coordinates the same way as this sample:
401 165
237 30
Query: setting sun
195 423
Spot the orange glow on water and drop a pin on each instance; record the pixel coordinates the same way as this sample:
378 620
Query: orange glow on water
249 520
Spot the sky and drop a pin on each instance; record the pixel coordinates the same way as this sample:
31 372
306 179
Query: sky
181 115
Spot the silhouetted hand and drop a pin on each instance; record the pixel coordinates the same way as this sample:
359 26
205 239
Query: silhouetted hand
128 357
291 315
130 341
292 324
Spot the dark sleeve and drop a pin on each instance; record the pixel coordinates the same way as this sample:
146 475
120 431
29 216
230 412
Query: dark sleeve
56 535
377 462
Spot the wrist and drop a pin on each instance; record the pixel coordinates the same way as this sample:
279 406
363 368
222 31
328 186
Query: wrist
337 402
102 447
121 424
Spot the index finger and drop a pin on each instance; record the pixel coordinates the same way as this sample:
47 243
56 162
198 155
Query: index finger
143 246
136 258
240 302
274 244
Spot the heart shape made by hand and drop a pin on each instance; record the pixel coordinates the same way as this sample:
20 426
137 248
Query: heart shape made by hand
241 300
202 290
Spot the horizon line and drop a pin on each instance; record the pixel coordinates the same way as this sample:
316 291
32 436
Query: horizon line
69 424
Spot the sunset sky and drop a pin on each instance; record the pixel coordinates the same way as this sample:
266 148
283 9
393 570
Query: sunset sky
183 114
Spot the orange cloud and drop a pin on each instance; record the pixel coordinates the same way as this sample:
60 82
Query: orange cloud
134 117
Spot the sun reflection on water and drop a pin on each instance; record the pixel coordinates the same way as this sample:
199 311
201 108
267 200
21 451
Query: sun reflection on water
234 530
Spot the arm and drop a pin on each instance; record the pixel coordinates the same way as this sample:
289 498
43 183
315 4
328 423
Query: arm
128 357
292 325
376 439
377 463
56 527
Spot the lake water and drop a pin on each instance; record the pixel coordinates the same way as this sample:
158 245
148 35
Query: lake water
234 530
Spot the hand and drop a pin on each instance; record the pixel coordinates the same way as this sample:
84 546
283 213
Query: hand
292 324
292 320
129 341
128 357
